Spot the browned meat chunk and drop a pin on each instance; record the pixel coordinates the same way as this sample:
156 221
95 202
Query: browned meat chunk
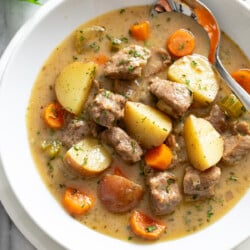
119 194
201 184
136 90
76 130
127 64
164 192
176 97
240 127
235 148
127 148
158 61
106 108
217 118
126 88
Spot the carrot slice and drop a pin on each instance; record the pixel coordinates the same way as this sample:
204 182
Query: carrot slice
100 59
140 31
54 115
242 76
159 157
181 43
145 226
77 202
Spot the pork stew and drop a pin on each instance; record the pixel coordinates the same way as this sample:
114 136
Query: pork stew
133 131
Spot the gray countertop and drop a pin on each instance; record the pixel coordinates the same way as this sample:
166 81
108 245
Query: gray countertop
13 14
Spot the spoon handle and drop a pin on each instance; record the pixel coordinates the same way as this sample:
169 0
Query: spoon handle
232 84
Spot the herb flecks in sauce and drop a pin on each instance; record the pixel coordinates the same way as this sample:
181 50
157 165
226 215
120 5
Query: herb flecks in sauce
190 216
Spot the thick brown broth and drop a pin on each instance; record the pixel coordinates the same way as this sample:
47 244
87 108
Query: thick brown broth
189 216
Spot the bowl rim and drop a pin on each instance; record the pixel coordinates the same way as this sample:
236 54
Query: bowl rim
7 194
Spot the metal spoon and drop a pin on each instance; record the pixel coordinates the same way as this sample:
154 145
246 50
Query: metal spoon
200 13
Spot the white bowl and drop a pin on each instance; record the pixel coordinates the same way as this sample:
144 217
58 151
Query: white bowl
22 190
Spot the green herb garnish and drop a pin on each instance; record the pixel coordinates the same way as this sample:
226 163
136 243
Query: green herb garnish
151 228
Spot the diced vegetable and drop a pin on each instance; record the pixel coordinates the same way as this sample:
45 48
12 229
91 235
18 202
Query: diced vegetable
140 31
116 43
232 105
149 126
73 85
242 76
88 157
159 157
204 144
84 38
146 227
77 202
54 115
51 147
181 43
197 73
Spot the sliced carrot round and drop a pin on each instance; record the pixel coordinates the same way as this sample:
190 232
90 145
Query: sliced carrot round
159 157
146 227
140 31
242 76
181 43
54 115
77 202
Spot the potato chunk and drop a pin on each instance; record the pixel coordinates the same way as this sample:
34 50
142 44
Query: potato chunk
119 194
204 144
88 157
197 73
147 125
73 85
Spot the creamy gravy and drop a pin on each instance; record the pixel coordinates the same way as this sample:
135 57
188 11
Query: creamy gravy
189 216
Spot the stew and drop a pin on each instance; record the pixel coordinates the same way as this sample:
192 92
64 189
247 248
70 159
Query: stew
133 131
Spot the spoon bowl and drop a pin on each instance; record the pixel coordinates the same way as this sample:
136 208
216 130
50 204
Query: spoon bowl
203 15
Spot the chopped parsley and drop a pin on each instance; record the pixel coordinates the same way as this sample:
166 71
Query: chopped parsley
106 93
187 82
135 54
194 64
94 46
209 214
151 228
232 177
181 46
124 39
85 160
133 144
122 11
169 183
50 168
131 68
